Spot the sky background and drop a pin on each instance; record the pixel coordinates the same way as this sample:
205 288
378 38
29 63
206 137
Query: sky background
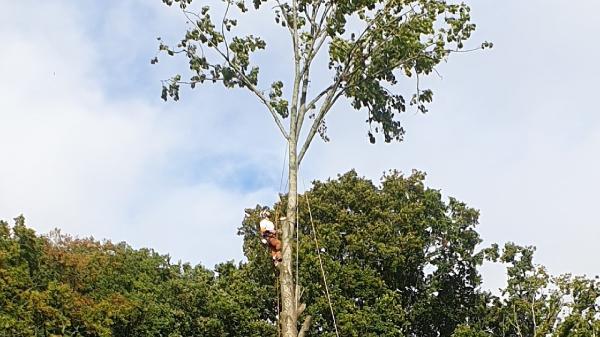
87 145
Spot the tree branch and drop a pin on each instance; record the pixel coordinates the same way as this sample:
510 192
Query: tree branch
298 75
329 101
223 28
329 91
287 23
332 97
319 96
533 315
296 39
257 92
272 110
241 74
319 34
305 326
516 322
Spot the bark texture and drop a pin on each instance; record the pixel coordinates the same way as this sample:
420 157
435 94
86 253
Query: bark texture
288 318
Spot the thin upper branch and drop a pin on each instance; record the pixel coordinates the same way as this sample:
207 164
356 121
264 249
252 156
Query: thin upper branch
317 98
297 75
315 31
223 28
295 29
319 34
266 102
256 91
241 74
535 327
305 326
333 93
332 97
285 18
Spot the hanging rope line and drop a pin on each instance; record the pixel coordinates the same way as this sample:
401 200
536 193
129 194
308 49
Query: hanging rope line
277 215
312 223
282 188
296 294
277 285
283 170
315 234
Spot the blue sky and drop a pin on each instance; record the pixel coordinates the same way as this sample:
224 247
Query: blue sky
87 145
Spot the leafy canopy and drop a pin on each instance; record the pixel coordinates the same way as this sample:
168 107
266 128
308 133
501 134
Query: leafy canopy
56 285
399 259
370 45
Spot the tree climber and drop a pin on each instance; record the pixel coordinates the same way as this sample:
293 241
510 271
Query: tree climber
269 236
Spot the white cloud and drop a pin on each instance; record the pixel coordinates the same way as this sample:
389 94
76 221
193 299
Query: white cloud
69 152
77 158
195 221
85 145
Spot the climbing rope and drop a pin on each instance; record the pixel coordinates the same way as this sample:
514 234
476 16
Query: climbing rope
296 295
278 292
312 223
315 234
277 214
283 170
277 285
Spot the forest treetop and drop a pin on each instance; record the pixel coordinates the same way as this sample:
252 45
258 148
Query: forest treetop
413 270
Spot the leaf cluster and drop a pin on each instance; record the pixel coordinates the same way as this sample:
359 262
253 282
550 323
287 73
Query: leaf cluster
402 261
399 260
57 285
535 303
372 45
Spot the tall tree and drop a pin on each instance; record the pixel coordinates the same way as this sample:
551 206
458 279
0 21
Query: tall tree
371 45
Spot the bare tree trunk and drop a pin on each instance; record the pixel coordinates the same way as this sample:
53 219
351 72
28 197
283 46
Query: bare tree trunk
289 315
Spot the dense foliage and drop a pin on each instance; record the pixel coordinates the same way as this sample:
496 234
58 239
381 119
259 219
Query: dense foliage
399 261
367 48
60 286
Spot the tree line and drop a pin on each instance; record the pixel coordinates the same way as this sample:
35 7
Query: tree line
400 260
